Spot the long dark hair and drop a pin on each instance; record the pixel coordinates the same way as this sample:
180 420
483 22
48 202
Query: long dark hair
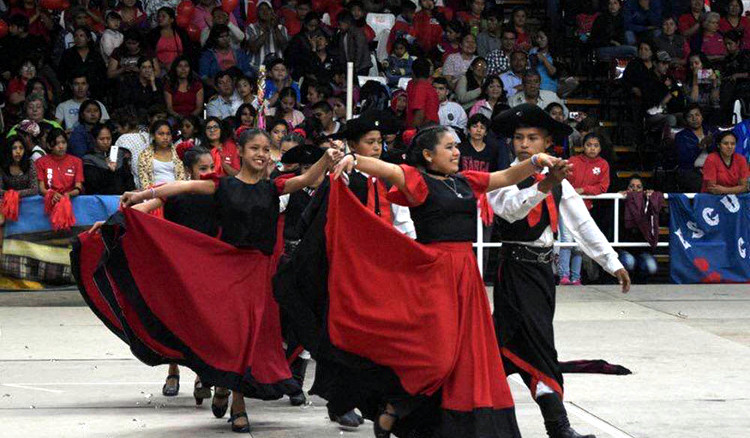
426 139
238 114
250 134
471 79
286 92
225 131
192 156
174 82
213 35
87 103
7 159
486 84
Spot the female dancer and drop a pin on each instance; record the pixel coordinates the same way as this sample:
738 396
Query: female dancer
247 206
386 310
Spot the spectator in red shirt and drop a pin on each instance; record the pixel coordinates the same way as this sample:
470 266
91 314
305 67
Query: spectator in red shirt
690 23
218 139
132 15
422 99
725 172
402 27
590 176
183 92
451 42
472 18
518 20
429 23
58 170
733 20
293 18
40 23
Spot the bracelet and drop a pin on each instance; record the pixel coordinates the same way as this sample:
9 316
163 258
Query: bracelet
153 192
353 156
535 162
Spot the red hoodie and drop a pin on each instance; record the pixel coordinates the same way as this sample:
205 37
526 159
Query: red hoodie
590 174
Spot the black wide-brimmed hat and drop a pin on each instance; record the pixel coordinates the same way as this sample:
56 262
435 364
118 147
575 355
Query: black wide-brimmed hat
372 120
527 116
302 154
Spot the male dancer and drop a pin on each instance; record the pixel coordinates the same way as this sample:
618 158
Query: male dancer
525 291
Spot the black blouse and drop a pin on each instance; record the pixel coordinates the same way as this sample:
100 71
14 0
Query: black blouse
248 213
193 211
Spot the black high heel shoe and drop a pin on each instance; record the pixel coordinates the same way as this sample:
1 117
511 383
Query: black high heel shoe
171 390
220 394
200 392
378 429
240 429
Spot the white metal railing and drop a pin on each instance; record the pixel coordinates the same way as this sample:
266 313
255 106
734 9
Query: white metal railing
480 244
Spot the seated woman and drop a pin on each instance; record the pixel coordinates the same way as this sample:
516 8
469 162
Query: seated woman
702 85
608 34
709 41
725 171
159 162
183 90
17 170
493 94
217 138
81 140
59 171
219 54
457 64
106 172
469 86
35 110
169 40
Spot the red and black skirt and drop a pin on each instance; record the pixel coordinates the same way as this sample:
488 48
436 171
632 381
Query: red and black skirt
391 320
175 295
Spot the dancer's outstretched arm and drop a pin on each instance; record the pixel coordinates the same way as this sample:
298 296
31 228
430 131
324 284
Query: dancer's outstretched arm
203 187
391 173
330 158
515 174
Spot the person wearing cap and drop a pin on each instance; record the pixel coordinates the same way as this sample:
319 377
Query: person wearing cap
527 217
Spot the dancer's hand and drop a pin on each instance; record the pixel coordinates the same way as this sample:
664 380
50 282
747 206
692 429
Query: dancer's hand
624 279
95 228
345 165
545 160
131 198
333 156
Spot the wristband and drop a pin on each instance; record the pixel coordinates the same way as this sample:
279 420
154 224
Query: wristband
153 193
535 162
353 156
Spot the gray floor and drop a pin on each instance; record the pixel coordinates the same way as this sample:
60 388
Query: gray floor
62 374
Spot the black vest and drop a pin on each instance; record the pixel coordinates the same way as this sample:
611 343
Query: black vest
520 231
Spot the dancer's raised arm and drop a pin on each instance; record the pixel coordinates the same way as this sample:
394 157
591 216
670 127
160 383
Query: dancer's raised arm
205 187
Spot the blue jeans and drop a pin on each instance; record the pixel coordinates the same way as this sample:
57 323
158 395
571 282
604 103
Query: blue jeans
612 52
569 264
645 263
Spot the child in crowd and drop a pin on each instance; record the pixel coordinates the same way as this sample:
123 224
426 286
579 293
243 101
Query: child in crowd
278 128
590 176
398 64
286 107
111 38
244 118
59 171
451 39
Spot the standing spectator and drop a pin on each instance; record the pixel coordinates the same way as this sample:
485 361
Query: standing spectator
83 58
219 16
642 19
450 113
59 171
141 91
17 171
469 86
498 60
124 60
81 141
132 15
429 23
492 98
218 139
101 175
220 56
422 100
168 40
226 102
352 44
159 162
640 206
183 91
673 43
709 41
590 176
398 64
286 107
531 93
67 112
725 172
130 138
451 42
608 34
518 21
402 27
693 145
300 50
323 61
266 36
690 23
702 86
111 38
457 64
202 17
734 20
512 80
735 76
491 38
472 19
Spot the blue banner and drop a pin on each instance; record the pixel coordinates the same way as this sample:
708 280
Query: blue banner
87 210
710 238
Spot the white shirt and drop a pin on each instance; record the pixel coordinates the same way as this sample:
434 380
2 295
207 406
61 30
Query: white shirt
510 80
223 108
452 114
67 113
545 98
514 204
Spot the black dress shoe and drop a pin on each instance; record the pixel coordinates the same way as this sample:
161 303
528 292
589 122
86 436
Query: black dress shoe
567 432
239 429
298 399
220 402
171 390
350 420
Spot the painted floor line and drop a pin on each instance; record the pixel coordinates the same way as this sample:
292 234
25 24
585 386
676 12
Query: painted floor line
80 384
15 385
582 414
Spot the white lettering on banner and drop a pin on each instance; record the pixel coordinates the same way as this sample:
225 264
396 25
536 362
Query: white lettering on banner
685 243
741 247
697 232
731 203
709 216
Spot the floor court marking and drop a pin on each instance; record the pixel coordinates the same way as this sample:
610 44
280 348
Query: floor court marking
15 385
79 384
584 415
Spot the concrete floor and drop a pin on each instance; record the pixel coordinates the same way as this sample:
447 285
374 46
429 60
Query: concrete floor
62 374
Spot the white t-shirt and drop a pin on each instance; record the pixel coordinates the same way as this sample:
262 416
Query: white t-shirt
452 114
67 113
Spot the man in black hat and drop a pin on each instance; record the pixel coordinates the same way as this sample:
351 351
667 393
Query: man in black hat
527 216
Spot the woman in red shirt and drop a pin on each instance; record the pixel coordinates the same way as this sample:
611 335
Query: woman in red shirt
184 91
218 139
58 170
725 172
733 19
590 176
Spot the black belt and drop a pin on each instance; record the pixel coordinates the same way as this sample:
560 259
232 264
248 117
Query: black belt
524 253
